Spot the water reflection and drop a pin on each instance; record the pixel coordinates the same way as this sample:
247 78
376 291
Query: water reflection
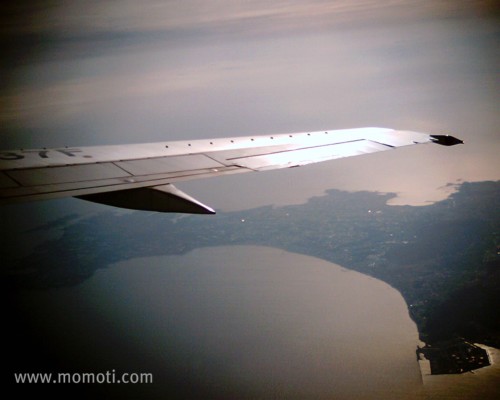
241 322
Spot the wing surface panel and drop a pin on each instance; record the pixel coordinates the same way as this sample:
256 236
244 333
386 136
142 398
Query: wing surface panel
67 174
50 173
271 158
151 166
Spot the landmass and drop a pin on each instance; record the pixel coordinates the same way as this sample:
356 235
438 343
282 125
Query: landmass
453 357
444 258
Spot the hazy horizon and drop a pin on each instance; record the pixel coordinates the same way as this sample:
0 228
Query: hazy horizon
107 72
113 72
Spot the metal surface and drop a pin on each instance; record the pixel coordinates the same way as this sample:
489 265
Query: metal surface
50 173
165 198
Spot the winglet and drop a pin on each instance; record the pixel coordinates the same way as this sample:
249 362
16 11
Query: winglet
164 198
446 140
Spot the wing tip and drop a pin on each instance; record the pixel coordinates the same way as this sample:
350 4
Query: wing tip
446 140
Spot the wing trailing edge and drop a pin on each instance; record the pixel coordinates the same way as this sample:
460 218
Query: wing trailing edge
140 176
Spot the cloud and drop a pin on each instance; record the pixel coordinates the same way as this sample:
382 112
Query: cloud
75 18
116 72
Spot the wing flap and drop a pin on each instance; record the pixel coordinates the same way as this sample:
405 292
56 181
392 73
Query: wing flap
6 181
50 173
271 158
80 188
158 165
66 174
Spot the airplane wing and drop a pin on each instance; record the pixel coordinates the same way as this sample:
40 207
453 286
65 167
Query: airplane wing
141 176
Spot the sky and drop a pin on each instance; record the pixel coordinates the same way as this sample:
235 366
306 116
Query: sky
112 72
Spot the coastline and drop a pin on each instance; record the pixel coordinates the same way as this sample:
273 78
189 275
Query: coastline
434 256
478 384
329 323
488 350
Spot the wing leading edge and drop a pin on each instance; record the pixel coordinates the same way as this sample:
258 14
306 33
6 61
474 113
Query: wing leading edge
141 176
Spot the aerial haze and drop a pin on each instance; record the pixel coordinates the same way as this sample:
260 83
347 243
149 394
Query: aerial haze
114 72
120 72
238 322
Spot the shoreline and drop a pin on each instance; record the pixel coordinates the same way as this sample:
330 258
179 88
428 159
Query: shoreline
488 352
